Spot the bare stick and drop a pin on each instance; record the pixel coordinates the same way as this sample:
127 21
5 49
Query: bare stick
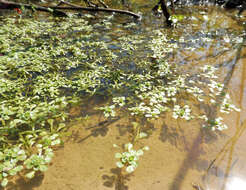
54 9
89 3
165 12
66 3
12 5
95 9
103 4
155 8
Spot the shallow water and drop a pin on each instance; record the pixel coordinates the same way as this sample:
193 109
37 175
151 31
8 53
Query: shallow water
182 155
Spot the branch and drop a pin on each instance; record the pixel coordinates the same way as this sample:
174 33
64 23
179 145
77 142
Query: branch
165 12
103 4
11 5
54 9
90 4
94 9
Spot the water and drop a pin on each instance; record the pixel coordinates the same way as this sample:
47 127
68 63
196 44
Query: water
181 155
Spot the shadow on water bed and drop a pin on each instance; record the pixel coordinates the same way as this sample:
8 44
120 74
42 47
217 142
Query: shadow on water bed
182 155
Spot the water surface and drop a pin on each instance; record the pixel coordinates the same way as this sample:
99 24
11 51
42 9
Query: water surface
182 155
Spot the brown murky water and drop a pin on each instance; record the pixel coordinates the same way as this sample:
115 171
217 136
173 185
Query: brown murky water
182 156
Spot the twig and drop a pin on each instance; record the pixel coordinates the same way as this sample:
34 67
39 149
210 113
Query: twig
103 4
54 9
66 3
96 9
12 5
165 12
196 186
155 8
172 6
90 4
242 8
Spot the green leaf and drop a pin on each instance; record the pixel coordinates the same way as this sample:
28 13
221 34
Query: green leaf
130 169
43 168
61 126
140 152
51 123
142 135
12 172
30 174
21 157
118 155
119 164
33 8
57 141
5 174
19 168
28 164
51 10
54 136
1 156
4 182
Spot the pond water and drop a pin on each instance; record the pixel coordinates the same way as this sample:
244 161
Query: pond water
182 154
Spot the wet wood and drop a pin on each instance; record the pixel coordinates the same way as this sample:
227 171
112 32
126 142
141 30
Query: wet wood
56 10
196 186
96 9
165 12
13 5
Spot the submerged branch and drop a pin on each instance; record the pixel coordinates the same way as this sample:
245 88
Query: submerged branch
103 3
56 10
165 12
13 5
96 9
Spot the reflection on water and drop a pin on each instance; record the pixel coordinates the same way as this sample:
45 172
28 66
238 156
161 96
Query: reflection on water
228 163
236 183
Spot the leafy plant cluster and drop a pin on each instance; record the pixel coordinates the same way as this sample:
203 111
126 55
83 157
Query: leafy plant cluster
38 85
15 159
130 157
46 67
160 86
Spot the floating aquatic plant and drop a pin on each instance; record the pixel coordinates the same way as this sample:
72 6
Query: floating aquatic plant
216 124
226 106
45 67
184 112
130 157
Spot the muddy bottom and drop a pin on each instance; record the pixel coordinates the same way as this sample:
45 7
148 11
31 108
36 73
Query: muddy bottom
181 156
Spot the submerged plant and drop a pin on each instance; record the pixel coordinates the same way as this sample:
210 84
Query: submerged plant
46 67
182 112
108 111
216 124
129 158
226 106
11 163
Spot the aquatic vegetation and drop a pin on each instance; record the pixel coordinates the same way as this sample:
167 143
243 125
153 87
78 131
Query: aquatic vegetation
108 111
216 124
129 159
226 106
10 163
176 18
209 71
33 104
182 112
47 67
